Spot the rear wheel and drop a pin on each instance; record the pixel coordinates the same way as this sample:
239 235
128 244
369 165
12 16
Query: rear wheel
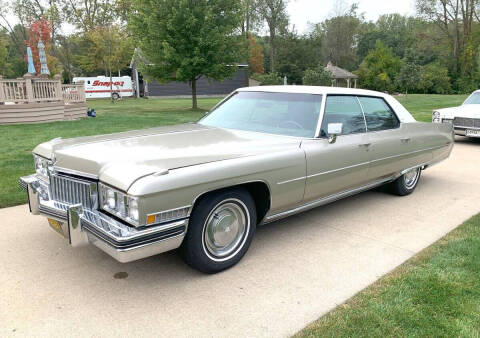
115 96
406 184
220 230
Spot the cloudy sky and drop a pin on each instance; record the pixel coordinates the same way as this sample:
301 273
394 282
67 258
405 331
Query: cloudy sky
303 11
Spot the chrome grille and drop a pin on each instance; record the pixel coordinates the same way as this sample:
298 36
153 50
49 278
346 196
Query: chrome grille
71 191
466 122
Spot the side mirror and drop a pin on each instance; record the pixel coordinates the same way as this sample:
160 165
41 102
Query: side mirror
333 130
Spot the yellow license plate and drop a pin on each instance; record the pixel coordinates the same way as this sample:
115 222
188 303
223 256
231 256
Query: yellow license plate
57 226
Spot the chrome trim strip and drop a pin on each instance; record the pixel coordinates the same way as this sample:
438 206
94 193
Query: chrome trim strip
363 113
292 180
373 161
325 200
320 116
472 128
189 207
62 170
339 169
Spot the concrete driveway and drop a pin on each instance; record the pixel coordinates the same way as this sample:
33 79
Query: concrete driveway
296 270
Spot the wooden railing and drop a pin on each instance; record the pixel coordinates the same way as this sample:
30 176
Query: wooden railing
13 91
31 90
46 90
73 93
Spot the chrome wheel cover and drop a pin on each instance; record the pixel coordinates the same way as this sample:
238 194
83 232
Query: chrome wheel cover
226 229
410 178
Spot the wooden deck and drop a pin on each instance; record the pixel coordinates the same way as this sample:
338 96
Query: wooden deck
36 100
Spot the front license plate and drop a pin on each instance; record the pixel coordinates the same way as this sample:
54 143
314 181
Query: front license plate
57 226
470 132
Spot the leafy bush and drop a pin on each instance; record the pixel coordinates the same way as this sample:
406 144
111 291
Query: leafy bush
317 77
435 79
379 68
268 79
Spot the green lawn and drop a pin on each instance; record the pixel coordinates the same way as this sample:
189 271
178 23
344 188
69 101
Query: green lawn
422 106
434 294
17 141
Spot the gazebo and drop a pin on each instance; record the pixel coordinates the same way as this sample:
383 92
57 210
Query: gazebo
340 76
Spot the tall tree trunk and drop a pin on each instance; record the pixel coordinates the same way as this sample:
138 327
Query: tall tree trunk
272 52
247 19
111 87
194 94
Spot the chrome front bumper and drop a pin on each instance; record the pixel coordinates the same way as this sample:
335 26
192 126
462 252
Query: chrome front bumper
82 227
463 131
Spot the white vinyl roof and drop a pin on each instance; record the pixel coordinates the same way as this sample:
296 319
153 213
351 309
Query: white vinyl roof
400 110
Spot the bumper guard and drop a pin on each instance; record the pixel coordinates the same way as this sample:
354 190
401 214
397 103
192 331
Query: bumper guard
82 227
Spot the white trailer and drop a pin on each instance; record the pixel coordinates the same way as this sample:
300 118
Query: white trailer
98 87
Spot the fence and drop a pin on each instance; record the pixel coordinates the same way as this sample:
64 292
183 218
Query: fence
73 93
34 100
37 90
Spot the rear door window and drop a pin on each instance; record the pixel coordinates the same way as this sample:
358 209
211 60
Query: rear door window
378 114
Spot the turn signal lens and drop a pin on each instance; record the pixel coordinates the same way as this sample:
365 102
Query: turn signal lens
150 219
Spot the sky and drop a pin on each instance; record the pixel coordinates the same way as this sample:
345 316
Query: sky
302 12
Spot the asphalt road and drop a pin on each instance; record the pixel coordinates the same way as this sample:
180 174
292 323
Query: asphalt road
296 270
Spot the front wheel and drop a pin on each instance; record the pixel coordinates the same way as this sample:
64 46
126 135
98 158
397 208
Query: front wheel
220 230
406 184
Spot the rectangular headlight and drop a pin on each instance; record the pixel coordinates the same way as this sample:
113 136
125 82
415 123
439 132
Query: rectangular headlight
119 204
41 166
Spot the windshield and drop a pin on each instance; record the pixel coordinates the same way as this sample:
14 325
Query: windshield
473 99
274 113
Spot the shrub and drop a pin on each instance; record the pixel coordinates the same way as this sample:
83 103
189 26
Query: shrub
317 77
268 79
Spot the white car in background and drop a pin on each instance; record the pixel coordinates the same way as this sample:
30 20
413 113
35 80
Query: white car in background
465 118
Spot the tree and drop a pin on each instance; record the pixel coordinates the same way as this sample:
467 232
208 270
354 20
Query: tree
184 40
3 54
455 21
295 54
250 18
394 30
255 60
409 77
435 79
28 11
109 48
274 13
317 77
340 35
271 79
87 15
379 68
39 30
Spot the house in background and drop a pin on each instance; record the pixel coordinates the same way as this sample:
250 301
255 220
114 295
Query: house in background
205 86
341 77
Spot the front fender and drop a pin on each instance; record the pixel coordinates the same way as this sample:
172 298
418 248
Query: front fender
181 187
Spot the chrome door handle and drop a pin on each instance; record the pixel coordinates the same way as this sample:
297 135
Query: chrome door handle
405 140
366 145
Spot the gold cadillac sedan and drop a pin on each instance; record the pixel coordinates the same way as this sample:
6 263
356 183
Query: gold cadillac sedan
261 154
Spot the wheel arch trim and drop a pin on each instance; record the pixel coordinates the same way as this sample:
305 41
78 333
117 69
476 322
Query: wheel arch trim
239 185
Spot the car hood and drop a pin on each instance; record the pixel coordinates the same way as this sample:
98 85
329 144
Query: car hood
466 110
121 159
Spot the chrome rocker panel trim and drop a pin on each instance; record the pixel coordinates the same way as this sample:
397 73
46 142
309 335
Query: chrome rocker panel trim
82 227
325 200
